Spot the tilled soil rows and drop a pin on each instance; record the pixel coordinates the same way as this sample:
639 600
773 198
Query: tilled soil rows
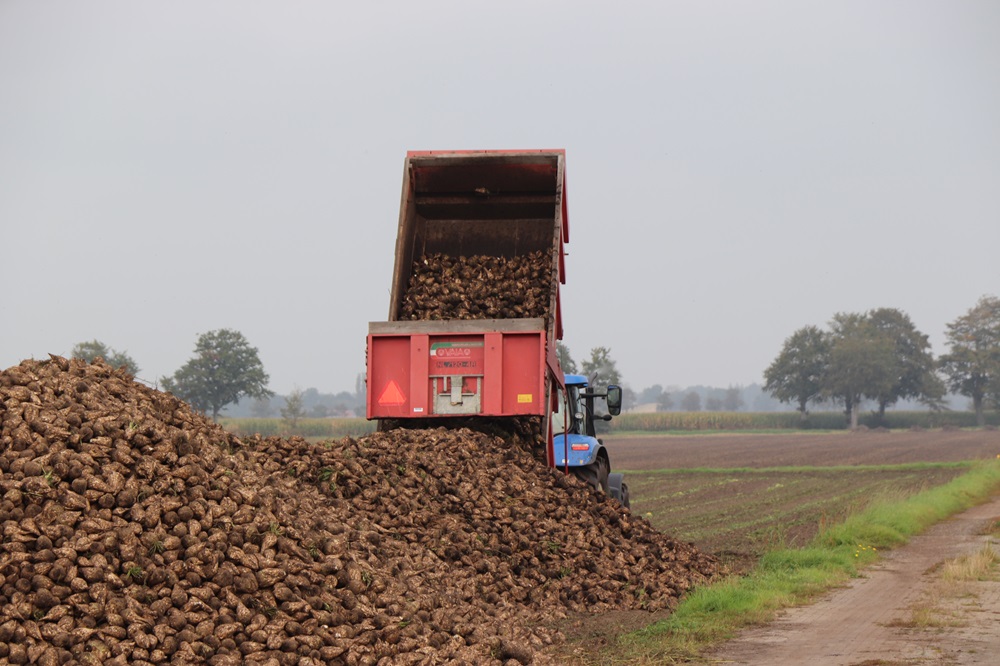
134 530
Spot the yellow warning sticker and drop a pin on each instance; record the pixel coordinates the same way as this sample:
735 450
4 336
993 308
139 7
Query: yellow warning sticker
525 397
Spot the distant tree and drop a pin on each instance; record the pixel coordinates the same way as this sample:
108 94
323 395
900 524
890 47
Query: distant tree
261 408
665 402
650 394
360 390
566 361
600 361
342 403
733 400
879 355
913 366
691 402
224 369
89 351
294 408
629 399
796 375
861 363
972 364
713 404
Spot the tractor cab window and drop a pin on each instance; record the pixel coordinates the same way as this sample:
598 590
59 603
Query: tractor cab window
576 408
568 416
559 416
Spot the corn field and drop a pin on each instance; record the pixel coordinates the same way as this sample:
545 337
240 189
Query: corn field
644 422
312 428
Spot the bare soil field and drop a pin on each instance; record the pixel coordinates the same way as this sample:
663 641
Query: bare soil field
739 516
707 498
872 447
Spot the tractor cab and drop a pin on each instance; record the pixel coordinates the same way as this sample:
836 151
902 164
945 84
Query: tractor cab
575 445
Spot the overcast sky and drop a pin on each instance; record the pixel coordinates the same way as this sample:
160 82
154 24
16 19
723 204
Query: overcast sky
736 170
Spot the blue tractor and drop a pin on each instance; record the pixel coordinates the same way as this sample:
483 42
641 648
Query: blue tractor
575 445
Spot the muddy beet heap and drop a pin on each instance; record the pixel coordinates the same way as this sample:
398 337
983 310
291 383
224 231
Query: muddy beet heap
479 287
134 530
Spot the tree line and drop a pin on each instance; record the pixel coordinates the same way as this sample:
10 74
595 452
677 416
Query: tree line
224 369
881 356
601 362
877 355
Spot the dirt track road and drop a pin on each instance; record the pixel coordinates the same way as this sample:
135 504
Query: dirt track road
875 620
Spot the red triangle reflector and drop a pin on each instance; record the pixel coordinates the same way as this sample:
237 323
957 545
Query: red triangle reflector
391 396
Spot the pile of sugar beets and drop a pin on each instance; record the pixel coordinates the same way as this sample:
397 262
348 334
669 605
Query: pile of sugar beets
478 287
135 530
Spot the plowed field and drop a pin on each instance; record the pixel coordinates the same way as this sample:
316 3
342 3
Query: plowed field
870 447
738 495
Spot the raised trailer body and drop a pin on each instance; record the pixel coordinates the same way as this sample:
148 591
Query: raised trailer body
498 203
461 204
493 203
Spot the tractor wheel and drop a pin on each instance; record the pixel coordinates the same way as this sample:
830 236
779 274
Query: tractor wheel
602 470
595 475
619 489
585 474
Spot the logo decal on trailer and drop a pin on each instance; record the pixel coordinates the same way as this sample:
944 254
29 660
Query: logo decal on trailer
457 358
392 396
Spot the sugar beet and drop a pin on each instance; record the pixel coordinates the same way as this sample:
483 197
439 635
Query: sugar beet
135 529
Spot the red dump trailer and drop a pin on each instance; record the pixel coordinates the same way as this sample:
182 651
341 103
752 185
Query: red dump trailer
507 205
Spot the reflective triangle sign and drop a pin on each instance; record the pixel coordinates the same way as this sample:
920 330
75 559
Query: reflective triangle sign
391 396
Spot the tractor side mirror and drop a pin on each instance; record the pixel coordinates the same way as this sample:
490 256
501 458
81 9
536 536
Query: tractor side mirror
615 399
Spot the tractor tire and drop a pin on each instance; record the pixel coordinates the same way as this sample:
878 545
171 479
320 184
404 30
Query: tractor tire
619 489
595 475
603 469
585 474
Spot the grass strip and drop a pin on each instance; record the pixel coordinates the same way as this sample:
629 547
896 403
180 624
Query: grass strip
659 434
810 469
790 577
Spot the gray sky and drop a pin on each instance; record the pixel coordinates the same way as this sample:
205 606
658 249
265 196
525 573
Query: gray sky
736 170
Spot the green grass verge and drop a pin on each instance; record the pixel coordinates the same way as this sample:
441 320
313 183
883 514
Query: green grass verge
727 431
811 469
789 577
